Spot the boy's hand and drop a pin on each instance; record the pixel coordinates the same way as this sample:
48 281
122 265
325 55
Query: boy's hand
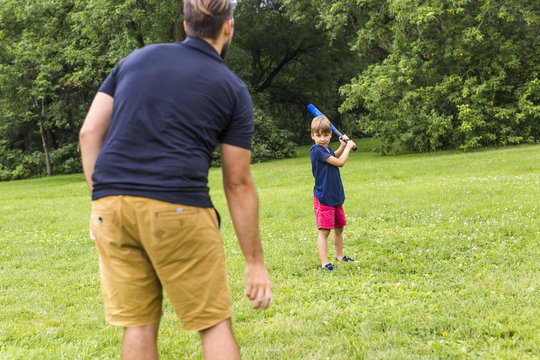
343 139
351 144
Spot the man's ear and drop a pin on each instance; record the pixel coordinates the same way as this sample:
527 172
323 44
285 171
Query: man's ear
228 27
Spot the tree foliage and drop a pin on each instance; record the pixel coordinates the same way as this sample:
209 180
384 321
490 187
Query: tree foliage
419 75
269 141
54 54
460 74
289 61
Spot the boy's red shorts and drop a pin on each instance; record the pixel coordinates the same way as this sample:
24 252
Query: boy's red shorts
328 217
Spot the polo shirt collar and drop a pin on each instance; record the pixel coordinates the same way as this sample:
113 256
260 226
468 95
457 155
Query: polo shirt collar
203 46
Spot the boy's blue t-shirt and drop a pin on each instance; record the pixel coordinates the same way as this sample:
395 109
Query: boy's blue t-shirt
328 186
173 103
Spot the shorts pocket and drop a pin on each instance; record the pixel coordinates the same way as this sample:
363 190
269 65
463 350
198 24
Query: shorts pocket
105 224
104 217
173 218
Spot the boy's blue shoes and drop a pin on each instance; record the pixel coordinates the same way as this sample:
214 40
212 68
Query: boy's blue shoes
347 259
328 267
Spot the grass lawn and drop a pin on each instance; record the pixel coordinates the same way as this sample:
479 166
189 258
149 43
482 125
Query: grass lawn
448 244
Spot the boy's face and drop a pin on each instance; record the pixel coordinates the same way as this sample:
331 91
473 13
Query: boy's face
321 139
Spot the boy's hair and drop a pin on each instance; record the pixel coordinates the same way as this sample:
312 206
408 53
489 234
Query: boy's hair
204 18
321 125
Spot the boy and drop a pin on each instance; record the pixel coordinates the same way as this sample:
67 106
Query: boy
328 191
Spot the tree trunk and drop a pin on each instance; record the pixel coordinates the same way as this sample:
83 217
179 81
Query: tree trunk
44 140
179 32
45 149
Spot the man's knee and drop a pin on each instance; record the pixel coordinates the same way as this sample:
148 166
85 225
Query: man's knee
224 326
147 331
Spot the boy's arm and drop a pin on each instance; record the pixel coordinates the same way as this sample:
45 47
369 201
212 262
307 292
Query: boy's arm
342 158
342 144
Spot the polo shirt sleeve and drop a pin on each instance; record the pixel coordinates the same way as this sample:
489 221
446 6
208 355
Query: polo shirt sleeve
240 130
109 85
321 154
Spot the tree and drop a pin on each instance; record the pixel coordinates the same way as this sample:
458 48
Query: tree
459 74
54 55
32 71
288 61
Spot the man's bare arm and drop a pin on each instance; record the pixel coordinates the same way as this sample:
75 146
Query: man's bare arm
93 133
244 209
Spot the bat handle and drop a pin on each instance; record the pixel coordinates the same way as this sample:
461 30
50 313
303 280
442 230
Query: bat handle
340 135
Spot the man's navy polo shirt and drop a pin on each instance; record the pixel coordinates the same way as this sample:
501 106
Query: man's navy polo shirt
173 103
328 186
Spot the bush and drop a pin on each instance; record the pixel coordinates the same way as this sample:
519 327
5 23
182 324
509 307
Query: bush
269 141
16 165
66 160
474 84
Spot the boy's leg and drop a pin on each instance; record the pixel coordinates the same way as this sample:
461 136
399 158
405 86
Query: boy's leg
322 245
218 342
338 242
140 342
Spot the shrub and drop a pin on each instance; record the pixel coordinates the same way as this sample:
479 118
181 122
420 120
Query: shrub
269 141
66 160
18 165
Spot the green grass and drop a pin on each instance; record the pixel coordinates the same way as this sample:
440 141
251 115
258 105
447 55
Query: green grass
448 243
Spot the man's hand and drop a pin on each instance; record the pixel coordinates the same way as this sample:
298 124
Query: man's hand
259 286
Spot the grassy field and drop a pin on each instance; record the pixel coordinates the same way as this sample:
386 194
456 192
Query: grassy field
448 243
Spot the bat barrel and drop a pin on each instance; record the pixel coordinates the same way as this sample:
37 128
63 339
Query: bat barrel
316 112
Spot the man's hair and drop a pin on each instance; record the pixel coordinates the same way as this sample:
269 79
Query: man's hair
321 125
204 18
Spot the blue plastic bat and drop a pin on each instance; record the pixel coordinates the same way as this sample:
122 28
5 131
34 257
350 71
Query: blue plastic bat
316 112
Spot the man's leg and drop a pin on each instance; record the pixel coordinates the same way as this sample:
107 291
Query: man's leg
338 242
218 342
140 342
323 245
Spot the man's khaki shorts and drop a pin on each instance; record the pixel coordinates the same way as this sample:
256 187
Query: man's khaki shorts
146 244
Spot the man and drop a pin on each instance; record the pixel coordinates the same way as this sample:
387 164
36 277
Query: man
146 145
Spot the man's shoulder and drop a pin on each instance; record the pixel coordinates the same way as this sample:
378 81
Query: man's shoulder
147 53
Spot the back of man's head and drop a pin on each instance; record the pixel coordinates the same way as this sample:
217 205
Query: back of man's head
204 18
